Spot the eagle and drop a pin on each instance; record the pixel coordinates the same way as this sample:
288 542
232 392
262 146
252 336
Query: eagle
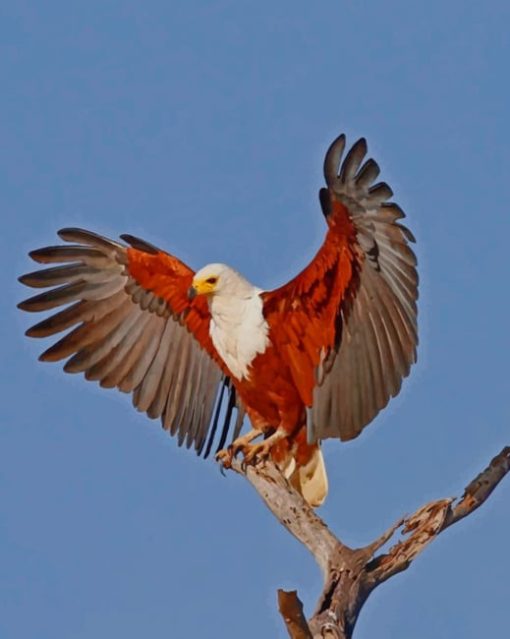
316 358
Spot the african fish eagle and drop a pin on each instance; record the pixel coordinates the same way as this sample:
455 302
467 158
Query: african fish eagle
318 357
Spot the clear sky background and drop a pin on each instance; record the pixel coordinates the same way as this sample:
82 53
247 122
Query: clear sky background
202 126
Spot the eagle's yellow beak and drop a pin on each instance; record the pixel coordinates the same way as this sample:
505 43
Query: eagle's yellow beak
202 287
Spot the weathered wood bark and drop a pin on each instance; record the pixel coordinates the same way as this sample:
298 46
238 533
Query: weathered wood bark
351 574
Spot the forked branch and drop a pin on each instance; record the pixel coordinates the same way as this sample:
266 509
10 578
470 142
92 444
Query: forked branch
350 575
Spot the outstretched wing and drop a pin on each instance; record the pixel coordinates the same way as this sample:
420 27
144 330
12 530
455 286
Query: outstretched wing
135 329
346 326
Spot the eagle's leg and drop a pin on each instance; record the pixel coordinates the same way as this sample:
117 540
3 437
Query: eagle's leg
226 455
261 451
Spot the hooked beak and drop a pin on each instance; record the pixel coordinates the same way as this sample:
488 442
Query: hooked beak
192 293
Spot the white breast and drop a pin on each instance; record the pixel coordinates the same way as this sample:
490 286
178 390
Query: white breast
238 330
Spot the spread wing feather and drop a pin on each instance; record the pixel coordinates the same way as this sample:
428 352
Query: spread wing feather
133 328
346 325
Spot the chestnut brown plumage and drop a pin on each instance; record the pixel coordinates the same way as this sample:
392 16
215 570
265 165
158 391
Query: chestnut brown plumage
318 357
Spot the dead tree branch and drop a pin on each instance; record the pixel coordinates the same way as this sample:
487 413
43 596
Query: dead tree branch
291 609
350 575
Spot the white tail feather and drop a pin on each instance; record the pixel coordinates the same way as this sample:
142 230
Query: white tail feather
310 480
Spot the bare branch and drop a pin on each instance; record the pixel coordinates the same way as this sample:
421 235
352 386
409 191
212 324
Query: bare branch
425 524
292 511
350 575
481 487
430 520
291 609
386 536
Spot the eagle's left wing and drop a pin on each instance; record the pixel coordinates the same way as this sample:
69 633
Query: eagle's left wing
346 325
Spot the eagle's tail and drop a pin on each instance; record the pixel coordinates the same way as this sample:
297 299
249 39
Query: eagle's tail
309 478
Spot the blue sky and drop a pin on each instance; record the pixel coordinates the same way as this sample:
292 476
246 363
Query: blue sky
202 127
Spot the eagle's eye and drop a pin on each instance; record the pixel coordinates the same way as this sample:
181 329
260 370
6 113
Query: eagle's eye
211 280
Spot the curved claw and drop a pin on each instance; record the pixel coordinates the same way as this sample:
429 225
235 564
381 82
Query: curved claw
224 458
239 445
252 453
257 452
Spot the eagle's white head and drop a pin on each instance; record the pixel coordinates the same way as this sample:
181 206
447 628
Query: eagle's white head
220 280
